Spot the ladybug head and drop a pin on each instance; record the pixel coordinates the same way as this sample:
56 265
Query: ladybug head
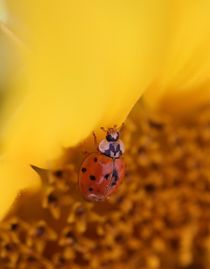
112 135
111 146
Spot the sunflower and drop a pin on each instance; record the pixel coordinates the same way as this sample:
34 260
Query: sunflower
83 65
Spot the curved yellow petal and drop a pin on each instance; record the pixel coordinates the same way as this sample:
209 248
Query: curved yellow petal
90 62
3 11
185 71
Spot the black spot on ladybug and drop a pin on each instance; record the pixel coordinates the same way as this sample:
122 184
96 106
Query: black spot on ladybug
106 176
95 159
84 169
114 183
90 189
92 177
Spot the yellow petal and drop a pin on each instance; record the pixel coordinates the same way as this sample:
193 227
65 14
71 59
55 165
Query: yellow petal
3 11
90 62
184 76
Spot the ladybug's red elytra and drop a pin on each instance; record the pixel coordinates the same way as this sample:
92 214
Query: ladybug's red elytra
102 172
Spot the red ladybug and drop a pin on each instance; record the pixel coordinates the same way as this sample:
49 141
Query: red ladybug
102 172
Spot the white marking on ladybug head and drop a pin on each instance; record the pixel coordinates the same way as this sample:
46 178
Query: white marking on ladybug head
112 135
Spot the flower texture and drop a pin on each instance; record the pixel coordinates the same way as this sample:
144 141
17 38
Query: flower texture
86 59
86 66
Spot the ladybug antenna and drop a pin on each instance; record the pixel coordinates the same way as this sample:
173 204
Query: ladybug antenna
114 128
104 129
95 140
119 128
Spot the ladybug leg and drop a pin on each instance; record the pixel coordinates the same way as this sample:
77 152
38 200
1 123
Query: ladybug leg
85 152
95 140
119 128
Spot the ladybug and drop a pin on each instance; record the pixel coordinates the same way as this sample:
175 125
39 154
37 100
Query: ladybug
102 172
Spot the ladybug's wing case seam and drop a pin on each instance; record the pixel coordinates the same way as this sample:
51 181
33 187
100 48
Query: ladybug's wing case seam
112 180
